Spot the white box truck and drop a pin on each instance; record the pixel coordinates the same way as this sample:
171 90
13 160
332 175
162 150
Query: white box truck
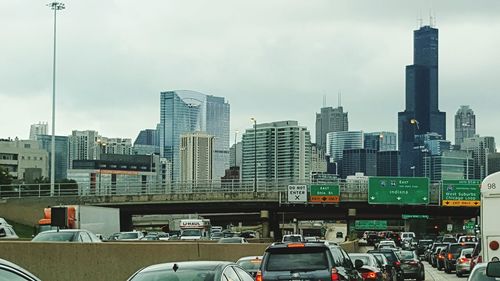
99 220
490 210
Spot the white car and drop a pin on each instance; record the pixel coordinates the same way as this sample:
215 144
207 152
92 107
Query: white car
130 236
67 235
387 244
292 238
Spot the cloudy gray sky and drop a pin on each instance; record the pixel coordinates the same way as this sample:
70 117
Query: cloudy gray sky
271 59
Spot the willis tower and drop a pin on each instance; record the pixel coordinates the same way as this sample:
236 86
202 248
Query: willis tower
421 115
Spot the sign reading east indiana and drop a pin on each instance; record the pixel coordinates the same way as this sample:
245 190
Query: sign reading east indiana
398 191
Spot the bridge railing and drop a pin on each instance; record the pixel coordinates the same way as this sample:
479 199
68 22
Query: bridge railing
349 191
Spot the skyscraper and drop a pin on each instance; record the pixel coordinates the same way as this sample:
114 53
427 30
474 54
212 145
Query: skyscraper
381 141
337 142
186 112
421 114
327 121
38 129
465 124
83 145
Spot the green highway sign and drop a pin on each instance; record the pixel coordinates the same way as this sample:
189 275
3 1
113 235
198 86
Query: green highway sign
324 193
469 225
461 193
407 217
398 191
370 225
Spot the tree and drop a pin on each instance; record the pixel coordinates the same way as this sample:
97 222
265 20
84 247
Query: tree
5 177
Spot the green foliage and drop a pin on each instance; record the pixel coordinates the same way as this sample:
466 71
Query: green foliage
5 177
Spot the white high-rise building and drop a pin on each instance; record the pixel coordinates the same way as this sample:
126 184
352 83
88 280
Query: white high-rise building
480 147
115 146
83 145
276 152
38 129
196 153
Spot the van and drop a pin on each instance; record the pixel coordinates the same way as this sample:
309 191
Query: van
7 232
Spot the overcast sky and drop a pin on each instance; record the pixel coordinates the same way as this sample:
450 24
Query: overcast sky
271 59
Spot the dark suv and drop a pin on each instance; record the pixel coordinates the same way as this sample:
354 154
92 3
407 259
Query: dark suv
393 260
312 261
452 253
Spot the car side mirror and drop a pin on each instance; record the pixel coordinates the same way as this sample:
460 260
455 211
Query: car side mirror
358 264
468 256
493 269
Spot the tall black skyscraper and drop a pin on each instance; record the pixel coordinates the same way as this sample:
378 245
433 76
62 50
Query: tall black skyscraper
421 114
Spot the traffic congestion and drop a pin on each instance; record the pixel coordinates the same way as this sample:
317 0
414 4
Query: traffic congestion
360 256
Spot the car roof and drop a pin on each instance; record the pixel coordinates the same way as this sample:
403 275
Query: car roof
17 267
65 230
247 258
310 244
199 265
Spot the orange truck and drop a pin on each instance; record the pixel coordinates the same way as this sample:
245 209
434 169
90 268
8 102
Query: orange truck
99 220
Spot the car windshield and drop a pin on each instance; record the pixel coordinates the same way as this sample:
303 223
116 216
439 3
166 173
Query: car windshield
180 275
467 251
479 274
365 259
456 249
55 236
380 258
191 232
292 238
217 234
389 255
289 259
250 265
406 255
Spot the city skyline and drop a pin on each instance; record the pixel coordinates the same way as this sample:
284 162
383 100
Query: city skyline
277 69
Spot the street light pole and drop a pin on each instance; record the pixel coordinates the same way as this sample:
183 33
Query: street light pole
255 153
56 6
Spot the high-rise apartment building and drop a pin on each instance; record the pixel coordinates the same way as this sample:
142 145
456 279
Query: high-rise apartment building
493 163
186 112
114 146
465 124
38 129
196 152
381 141
421 114
450 165
318 160
83 145
480 147
62 153
276 152
329 120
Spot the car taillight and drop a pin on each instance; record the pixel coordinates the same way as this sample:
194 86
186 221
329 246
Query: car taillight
463 260
440 257
450 256
335 275
369 275
258 277
397 264
494 245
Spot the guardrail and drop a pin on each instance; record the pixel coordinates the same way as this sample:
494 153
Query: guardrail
349 191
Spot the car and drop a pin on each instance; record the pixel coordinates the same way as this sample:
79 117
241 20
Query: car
192 270
422 245
216 236
412 267
312 261
7 232
372 238
440 257
387 244
462 265
251 264
479 273
372 269
436 248
292 238
388 268
394 261
248 234
67 235
311 239
467 239
476 256
130 235
408 235
150 237
233 240
11 271
163 236
452 253
449 239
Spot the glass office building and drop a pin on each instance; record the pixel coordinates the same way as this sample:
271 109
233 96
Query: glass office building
62 153
189 111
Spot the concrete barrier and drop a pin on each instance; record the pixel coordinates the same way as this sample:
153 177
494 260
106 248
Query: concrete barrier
113 261
350 246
